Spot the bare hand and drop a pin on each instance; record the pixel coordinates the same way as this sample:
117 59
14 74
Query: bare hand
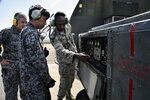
5 62
82 56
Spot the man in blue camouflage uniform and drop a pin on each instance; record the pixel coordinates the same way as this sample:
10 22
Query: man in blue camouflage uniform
35 78
66 53
9 38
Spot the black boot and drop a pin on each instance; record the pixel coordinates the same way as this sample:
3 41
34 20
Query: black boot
59 99
69 96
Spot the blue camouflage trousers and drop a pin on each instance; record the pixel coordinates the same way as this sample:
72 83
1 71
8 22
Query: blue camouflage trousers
10 82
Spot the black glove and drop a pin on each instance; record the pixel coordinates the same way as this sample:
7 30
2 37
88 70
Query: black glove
51 83
46 52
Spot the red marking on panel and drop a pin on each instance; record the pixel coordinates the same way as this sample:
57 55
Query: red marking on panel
139 70
132 30
130 89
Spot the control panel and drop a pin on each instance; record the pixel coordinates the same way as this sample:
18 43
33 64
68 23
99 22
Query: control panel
96 47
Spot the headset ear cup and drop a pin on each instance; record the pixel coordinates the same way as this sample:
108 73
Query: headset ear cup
53 23
66 21
36 14
14 21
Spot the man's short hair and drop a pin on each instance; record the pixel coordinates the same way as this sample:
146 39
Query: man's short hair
59 14
19 15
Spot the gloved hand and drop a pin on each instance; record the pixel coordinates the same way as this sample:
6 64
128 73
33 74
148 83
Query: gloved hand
51 83
46 52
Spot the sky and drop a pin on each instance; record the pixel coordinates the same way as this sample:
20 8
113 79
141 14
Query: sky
9 7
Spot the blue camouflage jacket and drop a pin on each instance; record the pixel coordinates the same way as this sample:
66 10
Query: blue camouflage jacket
34 67
9 38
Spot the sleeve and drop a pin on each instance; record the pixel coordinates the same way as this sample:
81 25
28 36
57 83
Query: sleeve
73 42
1 58
0 42
65 55
3 36
36 56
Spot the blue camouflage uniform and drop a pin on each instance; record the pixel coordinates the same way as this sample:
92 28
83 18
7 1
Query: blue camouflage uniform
34 71
9 38
65 48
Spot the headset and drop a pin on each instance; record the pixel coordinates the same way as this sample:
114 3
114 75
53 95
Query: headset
36 13
15 20
53 22
17 16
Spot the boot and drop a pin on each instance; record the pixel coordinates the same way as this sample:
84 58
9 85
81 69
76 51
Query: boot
69 96
59 99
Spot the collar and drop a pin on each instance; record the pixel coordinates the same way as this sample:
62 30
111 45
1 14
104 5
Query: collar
15 29
31 25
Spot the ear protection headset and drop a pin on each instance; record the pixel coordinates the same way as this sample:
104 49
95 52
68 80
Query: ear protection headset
17 16
36 13
15 20
53 22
